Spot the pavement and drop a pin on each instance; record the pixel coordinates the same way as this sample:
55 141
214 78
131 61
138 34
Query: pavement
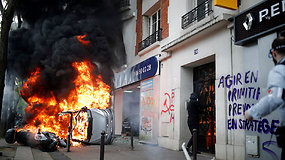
120 149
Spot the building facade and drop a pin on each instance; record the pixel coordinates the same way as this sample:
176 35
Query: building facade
204 47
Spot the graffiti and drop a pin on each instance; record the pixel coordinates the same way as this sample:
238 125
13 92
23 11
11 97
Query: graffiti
241 89
249 77
270 152
169 107
260 126
147 101
147 110
244 92
235 93
146 124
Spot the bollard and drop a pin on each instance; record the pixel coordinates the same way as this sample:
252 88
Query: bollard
102 145
68 140
194 144
69 137
132 139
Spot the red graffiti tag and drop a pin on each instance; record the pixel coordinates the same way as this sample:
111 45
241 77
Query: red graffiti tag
169 107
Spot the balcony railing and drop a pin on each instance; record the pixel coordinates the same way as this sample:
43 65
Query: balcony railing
156 36
125 3
197 14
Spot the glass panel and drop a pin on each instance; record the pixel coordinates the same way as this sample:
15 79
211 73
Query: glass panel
149 26
201 10
204 86
158 22
154 21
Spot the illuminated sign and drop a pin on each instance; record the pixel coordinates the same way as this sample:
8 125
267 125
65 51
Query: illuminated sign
266 17
141 71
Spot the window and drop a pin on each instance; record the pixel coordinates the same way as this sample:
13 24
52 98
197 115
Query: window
151 30
202 9
154 22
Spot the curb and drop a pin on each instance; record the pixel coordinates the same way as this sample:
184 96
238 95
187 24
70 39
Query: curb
24 153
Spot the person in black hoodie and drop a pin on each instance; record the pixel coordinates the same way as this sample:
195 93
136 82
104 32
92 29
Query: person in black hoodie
194 110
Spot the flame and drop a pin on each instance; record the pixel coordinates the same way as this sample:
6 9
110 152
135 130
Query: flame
82 41
43 111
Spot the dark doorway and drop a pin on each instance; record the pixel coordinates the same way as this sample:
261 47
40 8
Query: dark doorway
131 111
204 86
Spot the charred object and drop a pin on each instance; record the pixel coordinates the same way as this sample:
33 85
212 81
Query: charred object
98 120
45 141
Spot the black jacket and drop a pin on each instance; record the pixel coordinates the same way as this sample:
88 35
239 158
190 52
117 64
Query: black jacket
194 110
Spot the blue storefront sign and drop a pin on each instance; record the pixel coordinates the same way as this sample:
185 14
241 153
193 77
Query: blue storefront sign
141 71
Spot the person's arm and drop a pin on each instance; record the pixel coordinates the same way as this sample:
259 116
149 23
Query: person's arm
274 97
266 105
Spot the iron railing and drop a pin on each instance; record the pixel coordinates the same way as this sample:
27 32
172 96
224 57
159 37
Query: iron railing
156 36
197 14
125 3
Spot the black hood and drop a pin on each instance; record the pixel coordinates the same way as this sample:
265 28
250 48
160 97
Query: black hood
193 96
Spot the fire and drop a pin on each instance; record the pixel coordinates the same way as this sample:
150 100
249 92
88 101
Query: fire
90 91
82 41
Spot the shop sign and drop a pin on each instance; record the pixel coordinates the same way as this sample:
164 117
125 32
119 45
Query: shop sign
265 17
141 71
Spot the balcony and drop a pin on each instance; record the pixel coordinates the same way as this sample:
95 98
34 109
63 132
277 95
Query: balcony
156 36
197 14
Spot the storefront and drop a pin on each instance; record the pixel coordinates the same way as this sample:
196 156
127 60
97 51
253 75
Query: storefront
136 102
255 29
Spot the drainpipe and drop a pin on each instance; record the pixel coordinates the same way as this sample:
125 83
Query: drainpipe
230 27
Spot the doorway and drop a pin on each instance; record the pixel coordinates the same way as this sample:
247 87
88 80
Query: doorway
131 111
204 86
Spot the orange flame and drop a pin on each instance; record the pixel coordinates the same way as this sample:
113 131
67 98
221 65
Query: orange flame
82 41
90 91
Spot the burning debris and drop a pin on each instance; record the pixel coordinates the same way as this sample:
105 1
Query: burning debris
98 120
66 52
46 141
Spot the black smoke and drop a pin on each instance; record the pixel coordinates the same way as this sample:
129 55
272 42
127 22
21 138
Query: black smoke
48 40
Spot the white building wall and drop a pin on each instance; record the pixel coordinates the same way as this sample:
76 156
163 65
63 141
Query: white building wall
212 47
214 43
147 4
175 11
129 30
248 4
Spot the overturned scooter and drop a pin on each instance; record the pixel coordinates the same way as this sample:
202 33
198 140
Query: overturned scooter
45 141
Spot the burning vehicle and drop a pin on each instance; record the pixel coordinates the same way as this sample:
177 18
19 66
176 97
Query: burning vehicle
58 120
98 120
66 54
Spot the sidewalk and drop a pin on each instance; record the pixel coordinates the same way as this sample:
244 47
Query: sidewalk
119 150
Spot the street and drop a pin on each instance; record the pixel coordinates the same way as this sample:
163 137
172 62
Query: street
120 149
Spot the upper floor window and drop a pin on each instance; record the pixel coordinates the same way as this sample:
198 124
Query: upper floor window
151 30
203 8
154 22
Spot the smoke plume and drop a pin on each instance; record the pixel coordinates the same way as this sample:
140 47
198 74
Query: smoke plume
49 40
